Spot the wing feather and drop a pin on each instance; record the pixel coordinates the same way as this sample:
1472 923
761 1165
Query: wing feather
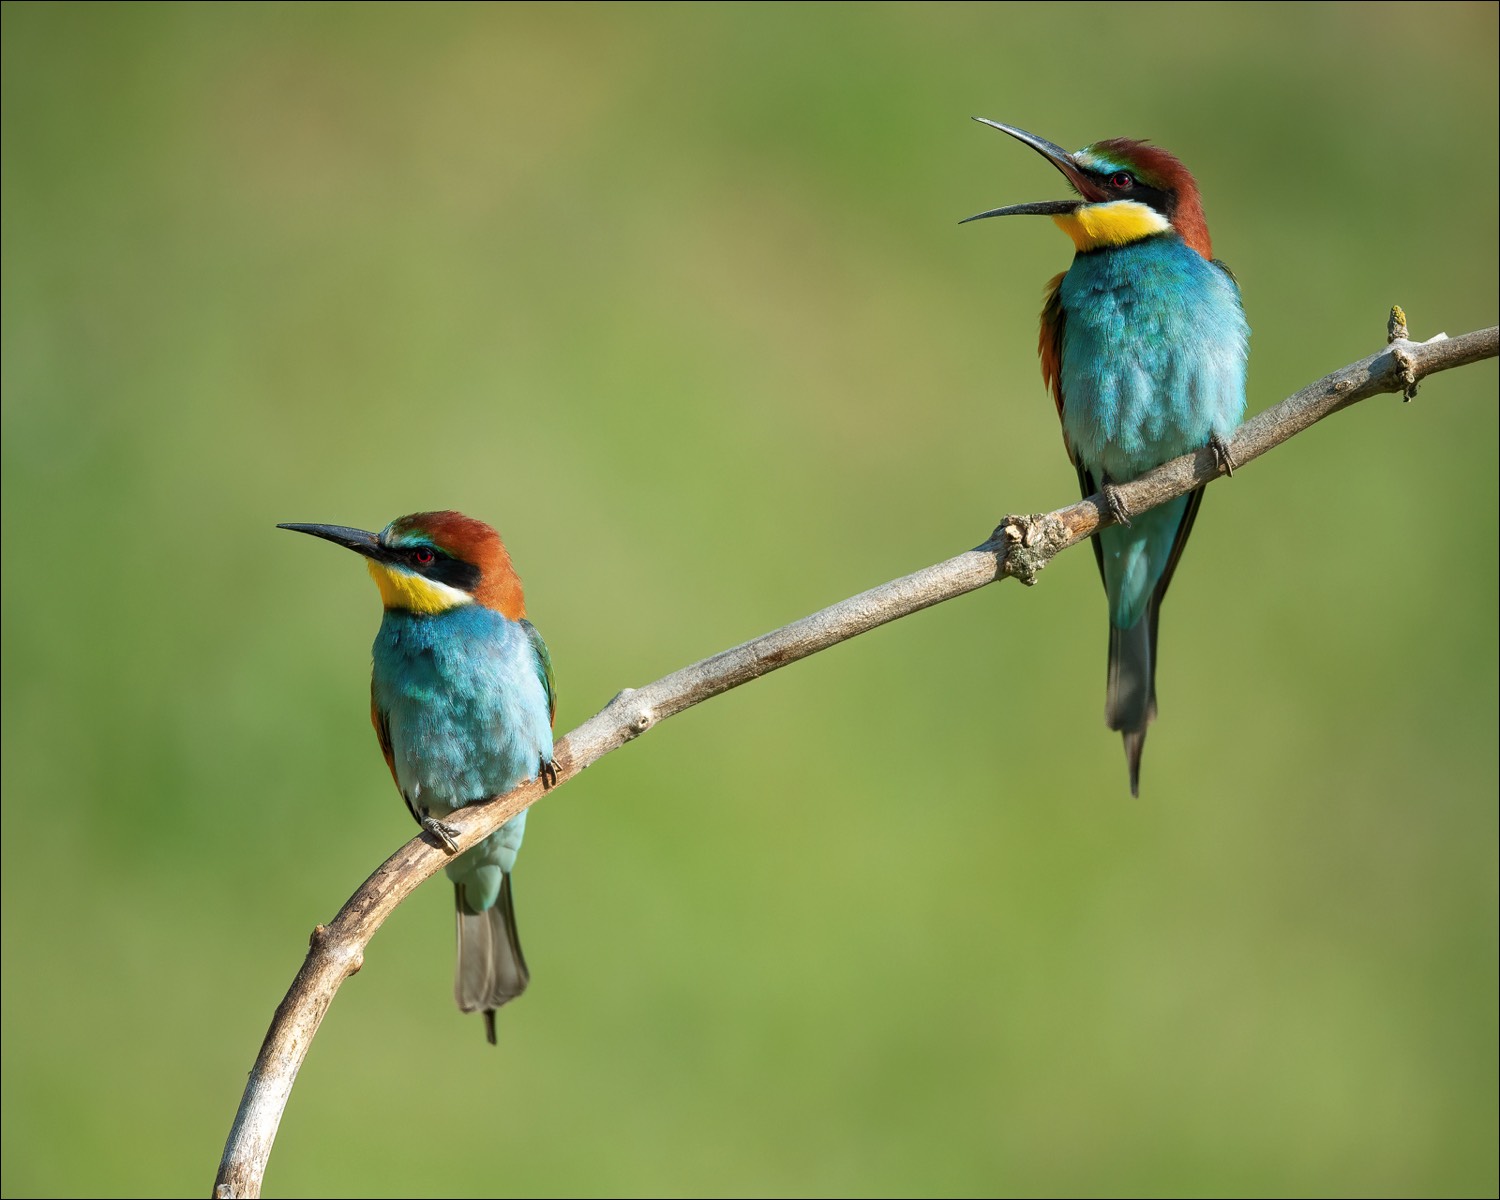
544 669
382 725
1049 342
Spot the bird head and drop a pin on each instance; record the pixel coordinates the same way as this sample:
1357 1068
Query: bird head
431 562
1128 190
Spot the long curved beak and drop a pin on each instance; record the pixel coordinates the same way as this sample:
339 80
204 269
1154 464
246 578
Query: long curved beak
1055 155
358 540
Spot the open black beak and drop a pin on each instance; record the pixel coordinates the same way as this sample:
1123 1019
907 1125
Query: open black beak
357 540
1055 155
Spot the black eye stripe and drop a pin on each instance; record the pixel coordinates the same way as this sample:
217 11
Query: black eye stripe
454 572
441 567
1164 202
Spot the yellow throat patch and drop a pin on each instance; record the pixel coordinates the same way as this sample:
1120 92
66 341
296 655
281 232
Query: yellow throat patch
1117 223
409 592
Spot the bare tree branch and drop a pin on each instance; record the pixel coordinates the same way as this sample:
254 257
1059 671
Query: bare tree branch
1020 547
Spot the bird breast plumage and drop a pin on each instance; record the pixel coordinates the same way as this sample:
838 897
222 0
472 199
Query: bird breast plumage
1153 355
467 709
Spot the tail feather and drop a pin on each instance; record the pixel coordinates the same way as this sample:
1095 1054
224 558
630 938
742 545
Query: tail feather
491 968
1130 702
1130 705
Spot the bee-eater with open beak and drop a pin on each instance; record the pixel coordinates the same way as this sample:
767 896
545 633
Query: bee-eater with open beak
463 702
1143 345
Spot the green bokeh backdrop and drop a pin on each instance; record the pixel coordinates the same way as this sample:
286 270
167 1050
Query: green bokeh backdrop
675 296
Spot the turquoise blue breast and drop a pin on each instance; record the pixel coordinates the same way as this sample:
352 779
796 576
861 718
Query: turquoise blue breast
468 716
1153 355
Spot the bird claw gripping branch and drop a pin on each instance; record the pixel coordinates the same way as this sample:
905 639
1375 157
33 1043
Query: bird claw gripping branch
445 834
1223 456
1115 502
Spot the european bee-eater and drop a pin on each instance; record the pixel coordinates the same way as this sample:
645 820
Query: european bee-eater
1143 345
462 701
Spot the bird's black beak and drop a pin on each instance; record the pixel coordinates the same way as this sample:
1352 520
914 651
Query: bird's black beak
1060 159
358 540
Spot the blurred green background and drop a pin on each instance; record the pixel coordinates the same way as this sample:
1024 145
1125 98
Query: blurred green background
676 297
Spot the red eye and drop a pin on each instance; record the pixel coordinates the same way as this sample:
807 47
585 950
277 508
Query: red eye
1121 180
422 556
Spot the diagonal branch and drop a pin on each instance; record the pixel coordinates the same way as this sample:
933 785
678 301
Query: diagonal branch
1020 547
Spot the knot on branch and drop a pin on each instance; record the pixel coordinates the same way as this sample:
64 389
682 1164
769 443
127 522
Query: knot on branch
633 724
1397 336
1026 544
329 944
1408 367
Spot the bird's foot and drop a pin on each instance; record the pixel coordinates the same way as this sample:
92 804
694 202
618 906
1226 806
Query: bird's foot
1115 502
1223 459
445 834
547 773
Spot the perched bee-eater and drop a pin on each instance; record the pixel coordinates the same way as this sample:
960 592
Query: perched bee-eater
1143 344
462 701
